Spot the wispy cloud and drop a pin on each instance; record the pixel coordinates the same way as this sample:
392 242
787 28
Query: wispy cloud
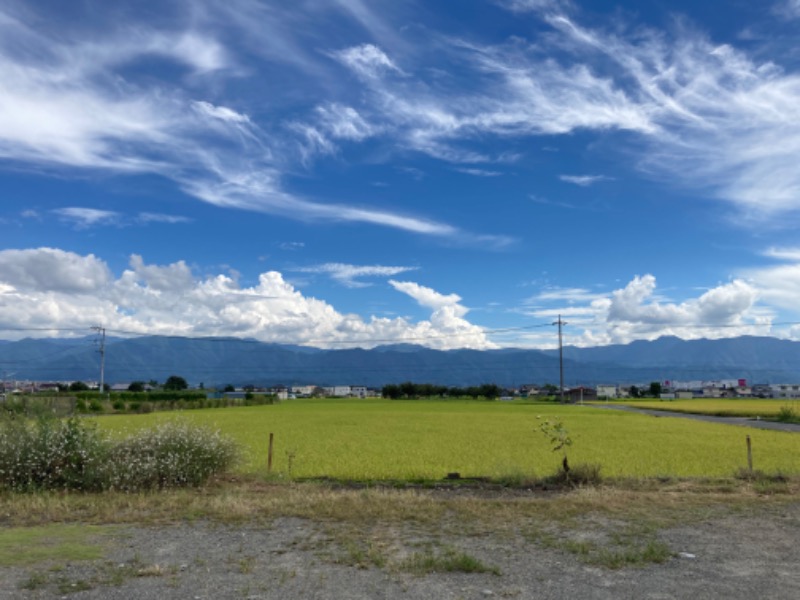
70 103
584 180
87 217
147 217
480 172
349 275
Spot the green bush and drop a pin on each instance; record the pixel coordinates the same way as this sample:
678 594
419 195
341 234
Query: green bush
52 454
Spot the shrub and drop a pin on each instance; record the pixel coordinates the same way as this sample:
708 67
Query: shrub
118 405
170 455
48 453
96 406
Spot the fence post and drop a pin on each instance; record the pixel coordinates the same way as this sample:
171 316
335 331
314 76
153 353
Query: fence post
749 455
269 455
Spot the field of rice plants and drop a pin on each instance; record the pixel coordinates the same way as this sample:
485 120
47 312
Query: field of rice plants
722 407
410 440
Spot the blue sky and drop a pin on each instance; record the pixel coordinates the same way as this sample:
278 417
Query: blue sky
345 172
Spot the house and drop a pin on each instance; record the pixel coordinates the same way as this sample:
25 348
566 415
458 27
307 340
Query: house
358 391
607 391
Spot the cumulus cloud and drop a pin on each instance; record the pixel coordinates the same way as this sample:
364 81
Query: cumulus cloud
50 270
636 311
47 288
348 275
448 315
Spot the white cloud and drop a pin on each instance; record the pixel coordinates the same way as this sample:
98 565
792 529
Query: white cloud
67 103
220 112
779 284
788 9
583 180
344 122
87 217
480 172
50 270
148 217
50 288
348 275
636 312
448 316
366 60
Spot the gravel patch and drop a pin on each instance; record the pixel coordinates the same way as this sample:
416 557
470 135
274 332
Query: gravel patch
740 557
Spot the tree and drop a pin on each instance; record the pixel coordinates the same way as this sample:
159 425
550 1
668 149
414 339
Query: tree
136 386
78 386
174 383
635 392
229 388
655 389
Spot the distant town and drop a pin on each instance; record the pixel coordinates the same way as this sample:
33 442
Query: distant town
665 390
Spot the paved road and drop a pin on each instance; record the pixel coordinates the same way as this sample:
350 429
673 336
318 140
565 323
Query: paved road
741 421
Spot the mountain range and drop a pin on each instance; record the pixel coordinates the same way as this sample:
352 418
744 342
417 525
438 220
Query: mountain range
218 361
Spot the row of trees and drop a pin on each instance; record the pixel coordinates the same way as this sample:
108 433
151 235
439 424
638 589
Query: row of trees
428 390
174 383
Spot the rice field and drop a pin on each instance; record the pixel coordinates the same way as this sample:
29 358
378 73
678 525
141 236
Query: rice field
412 440
722 407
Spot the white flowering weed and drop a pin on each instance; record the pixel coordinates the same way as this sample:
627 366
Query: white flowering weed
48 453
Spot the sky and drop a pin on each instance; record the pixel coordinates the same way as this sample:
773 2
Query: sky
343 173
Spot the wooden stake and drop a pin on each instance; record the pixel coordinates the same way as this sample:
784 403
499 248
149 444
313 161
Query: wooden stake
749 455
269 454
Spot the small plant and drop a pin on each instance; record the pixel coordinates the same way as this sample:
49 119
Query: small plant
559 437
449 561
788 414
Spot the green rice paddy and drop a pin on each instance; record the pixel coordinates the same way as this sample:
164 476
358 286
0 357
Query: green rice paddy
411 440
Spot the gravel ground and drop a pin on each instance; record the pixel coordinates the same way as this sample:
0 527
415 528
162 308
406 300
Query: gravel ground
733 557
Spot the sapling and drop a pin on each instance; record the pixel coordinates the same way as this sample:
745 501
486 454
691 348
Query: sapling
559 438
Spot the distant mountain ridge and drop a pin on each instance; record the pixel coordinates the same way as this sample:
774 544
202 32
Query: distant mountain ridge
218 361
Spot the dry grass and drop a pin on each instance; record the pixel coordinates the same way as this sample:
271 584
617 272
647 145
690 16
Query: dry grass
249 499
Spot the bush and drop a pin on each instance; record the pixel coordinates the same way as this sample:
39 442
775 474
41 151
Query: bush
51 454
171 455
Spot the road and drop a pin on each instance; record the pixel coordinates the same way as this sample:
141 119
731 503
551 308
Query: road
741 421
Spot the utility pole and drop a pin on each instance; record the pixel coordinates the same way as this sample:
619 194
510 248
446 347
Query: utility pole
560 323
102 332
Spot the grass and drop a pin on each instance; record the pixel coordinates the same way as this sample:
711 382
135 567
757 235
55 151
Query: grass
449 560
369 440
22 546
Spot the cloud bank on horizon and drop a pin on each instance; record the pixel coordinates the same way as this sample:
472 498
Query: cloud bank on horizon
287 114
48 291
